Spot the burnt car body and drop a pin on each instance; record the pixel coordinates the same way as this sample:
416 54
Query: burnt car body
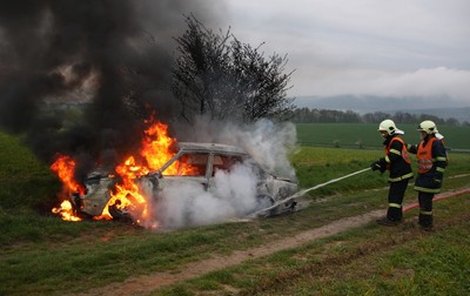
205 159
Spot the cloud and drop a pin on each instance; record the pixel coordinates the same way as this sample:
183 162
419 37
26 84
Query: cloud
404 20
376 47
431 82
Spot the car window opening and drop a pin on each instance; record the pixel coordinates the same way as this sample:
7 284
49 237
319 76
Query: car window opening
224 163
197 163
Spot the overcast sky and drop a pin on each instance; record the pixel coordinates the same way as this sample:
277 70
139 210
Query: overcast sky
364 47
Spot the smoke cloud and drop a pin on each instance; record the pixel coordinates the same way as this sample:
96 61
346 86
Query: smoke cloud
188 204
113 57
269 143
231 194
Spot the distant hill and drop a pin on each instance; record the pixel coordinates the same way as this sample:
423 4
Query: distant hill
461 114
441 107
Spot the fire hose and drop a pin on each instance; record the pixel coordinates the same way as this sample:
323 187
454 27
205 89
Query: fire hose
305 191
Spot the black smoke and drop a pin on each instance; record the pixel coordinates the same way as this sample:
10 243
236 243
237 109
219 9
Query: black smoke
113 58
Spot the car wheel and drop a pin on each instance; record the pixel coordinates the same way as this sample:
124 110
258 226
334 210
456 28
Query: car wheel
119 215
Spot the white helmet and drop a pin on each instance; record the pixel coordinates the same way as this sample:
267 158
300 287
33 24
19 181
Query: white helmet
389 126
428 126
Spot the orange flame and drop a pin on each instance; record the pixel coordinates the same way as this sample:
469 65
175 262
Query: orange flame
126 195
157 149
65 211
64 167
157 145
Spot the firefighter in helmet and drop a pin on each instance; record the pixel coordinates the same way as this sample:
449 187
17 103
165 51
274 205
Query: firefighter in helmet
432 162
397 162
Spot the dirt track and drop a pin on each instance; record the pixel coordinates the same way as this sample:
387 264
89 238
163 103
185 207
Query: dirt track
142 285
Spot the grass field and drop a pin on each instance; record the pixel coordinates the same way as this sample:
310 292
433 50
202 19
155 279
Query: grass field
42 255
367 261
362 135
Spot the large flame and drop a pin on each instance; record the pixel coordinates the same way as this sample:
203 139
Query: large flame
156 149
64 167
127 197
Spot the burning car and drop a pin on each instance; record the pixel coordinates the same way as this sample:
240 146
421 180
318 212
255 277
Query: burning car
193 162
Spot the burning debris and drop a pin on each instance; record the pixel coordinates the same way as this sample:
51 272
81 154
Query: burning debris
125 194
64 167
66 212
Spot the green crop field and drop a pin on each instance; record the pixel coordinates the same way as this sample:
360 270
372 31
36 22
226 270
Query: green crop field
43 255
365 135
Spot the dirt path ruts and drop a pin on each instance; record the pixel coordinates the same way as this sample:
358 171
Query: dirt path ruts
142 285
145 284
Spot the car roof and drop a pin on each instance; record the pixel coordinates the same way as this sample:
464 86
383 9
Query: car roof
211 147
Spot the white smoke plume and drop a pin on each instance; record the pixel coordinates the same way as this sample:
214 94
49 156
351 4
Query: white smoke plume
269 143
187 203
231 194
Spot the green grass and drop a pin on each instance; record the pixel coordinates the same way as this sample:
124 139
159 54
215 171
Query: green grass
371 260
43 255
316 165
365 135
27 192
25 182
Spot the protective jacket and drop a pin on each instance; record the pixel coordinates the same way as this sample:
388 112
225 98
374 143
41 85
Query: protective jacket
432 161
396 159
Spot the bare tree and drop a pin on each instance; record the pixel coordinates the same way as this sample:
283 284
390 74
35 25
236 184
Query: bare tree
219 76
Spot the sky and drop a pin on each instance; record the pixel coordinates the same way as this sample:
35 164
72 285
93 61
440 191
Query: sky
401 48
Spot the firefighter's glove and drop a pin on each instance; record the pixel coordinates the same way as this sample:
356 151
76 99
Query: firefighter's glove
380 165
374 166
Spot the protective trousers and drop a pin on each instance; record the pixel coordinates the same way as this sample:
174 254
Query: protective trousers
425 209
395 199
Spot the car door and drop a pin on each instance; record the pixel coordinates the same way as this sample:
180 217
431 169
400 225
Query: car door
188 167
220 162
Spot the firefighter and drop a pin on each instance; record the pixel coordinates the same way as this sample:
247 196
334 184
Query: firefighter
397 162
432 162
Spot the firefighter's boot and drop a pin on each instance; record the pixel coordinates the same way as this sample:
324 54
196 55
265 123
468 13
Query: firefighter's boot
425 220
385 221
